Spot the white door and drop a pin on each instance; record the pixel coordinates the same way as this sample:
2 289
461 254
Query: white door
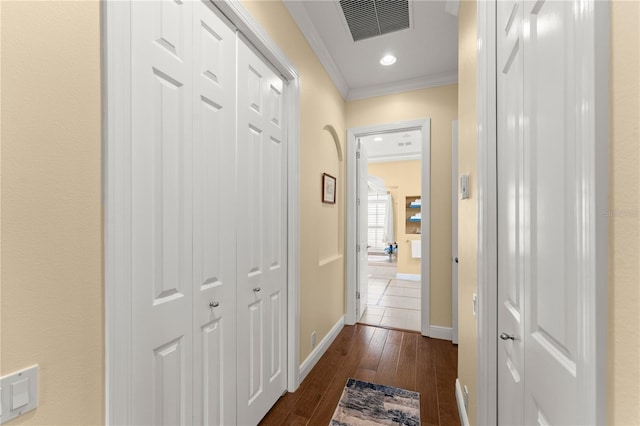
214 218
262 240
161 197
546 359
362 206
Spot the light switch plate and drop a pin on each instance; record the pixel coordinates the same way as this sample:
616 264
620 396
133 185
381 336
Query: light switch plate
18 393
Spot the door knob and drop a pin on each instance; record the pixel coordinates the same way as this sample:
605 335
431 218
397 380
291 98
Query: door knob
256 289
214 304
505 336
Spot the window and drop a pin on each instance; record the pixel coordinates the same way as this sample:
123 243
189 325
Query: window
377 210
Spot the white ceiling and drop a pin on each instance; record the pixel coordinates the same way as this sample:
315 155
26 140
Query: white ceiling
427 53
398 146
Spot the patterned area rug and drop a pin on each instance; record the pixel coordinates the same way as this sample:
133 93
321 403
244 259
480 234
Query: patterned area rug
364 403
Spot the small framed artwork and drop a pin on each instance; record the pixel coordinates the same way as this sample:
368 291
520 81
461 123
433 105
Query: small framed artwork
328 189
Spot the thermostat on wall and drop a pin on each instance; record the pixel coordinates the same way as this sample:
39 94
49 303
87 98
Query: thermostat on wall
464 187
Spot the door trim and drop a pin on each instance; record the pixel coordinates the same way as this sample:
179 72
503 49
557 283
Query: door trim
487 268
352 137
116 194
454 231
593 60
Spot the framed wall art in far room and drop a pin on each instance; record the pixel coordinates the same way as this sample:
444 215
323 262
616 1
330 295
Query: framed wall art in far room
328 189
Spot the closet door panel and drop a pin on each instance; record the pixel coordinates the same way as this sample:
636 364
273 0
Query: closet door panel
214 222
161 189
261 237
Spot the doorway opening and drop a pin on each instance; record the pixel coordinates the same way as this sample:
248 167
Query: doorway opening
394 227
388 174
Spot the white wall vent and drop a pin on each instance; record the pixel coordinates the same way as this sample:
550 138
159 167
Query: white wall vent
372 18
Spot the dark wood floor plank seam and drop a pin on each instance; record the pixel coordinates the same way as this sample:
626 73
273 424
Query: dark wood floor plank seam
372 354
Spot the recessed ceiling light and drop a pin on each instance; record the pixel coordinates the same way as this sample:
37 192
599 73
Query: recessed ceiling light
377 139
388 60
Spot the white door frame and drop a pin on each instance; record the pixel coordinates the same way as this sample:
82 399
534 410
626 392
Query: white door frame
116 90
594 59
352 137
454 231
487 268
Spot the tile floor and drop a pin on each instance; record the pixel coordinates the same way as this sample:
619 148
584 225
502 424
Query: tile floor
393 303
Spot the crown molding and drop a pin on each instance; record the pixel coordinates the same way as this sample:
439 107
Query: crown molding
300 16
425 82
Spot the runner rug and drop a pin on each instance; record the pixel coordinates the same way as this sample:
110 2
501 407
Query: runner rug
364 403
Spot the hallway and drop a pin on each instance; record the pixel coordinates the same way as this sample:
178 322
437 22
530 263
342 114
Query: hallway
388 357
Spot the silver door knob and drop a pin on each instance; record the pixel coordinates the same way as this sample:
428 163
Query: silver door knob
214 304
256 289
505 336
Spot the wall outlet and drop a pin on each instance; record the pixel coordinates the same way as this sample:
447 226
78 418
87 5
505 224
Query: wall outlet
313 340
465 397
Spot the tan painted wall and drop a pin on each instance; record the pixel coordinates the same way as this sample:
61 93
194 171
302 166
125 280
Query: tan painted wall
624 222
322 289
404 177
441 105
52 305
467 209
624 226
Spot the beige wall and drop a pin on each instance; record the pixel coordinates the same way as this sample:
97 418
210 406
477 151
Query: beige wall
624 222
322 289
441 105
52 305
404 178
624 227
467 209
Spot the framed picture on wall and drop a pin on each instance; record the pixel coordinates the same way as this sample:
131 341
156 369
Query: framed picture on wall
328 189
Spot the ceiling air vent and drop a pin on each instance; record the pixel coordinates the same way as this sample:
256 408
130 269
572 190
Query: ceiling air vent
371 18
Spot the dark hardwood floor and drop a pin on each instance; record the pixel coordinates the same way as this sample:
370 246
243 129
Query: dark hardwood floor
387 357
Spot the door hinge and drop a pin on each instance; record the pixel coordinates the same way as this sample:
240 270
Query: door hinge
357 201
357 295
357 248
358 155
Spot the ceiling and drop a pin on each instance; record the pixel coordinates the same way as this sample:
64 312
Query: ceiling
397 146
427 52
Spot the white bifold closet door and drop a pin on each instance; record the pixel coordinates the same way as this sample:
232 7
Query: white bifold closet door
214 218
162 212
208 221
262 254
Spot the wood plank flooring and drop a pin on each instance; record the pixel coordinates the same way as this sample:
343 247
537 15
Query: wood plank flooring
387 357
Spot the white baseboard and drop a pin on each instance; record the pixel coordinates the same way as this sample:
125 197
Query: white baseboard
408 277
442 333
320 349
464 419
